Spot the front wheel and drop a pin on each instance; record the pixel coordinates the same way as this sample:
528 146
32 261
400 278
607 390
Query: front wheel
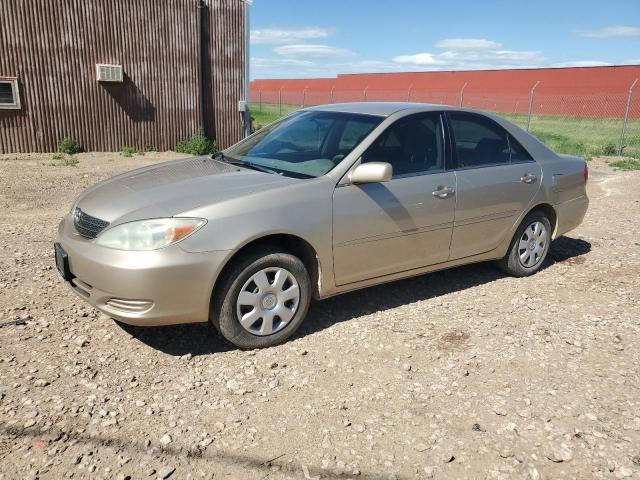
529 246
263 299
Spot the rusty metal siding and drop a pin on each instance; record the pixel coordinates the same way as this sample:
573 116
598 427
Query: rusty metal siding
227 79
52 46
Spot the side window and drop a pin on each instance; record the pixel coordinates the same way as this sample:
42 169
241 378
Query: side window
412 145
518 152
478 141
9 95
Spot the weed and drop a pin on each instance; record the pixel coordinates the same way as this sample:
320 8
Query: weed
609 149
69 146
57 156
197 144
127 151
71 161
626 164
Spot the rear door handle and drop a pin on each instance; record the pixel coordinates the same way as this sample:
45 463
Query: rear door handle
528 178
443 192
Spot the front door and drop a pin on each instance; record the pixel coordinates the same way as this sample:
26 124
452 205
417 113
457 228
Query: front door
496 181
402 224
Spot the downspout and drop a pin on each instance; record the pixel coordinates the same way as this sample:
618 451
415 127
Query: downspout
200 6
247 42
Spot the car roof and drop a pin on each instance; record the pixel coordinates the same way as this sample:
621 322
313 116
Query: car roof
375 108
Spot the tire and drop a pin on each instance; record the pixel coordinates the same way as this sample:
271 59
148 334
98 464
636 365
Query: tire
534 254
262 300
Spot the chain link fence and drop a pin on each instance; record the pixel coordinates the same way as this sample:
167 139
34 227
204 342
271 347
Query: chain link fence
585 124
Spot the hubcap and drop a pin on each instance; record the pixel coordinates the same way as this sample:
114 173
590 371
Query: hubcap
532 245
268 301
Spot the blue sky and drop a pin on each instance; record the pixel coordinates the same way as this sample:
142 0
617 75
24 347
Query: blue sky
305 38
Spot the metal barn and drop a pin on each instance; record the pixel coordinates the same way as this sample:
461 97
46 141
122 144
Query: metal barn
110 73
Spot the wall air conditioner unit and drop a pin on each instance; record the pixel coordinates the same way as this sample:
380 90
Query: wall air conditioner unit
109 73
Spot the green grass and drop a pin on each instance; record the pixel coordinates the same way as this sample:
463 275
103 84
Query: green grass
626 164
71 161
69 146
586 137
197 144
128 151
67 159
269 113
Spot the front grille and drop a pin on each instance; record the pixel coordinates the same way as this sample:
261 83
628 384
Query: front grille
86 225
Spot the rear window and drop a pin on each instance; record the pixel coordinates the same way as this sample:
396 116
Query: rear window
518 152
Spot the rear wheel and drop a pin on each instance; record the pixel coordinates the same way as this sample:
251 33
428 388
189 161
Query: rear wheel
262 300
529 246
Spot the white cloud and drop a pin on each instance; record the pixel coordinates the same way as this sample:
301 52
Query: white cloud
268 63
417 59
472 54
297 68
309 50
468 44
613 31
582 63
278 36
490 56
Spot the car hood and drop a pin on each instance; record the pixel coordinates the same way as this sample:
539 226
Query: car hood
170 188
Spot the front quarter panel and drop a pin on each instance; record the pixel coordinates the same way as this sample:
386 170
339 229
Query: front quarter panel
302 209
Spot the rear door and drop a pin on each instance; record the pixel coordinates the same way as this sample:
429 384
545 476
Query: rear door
496 181
402 224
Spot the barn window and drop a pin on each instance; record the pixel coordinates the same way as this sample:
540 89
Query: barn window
9 95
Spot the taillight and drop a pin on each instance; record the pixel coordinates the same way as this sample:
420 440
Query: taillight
586 172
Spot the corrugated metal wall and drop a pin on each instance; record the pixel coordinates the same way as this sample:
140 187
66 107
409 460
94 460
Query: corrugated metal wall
52 46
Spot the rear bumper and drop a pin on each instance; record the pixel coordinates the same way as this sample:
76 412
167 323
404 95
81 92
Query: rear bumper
570 214
160 287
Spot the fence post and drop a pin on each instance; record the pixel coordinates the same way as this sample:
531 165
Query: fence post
531 95
462 93
304 92
626 116
280 101
331 95
409 93
364 94
260 101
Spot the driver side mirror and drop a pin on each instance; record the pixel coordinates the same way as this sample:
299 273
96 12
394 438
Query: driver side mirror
371 172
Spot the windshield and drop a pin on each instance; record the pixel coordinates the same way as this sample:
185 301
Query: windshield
306 144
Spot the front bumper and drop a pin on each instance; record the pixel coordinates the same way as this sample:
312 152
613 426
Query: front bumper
159 287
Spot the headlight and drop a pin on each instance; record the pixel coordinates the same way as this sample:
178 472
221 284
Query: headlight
149 234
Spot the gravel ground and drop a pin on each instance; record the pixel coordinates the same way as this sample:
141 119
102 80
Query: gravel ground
459 374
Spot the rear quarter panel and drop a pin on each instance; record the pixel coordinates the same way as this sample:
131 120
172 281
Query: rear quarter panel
567 192
562 183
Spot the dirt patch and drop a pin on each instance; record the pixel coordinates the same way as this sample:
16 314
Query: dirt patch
465 373
576 260
453 339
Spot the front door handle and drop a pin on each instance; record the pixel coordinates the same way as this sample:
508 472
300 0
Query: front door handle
443 192
528 178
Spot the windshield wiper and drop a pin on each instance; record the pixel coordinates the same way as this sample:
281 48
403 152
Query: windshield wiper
243 163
